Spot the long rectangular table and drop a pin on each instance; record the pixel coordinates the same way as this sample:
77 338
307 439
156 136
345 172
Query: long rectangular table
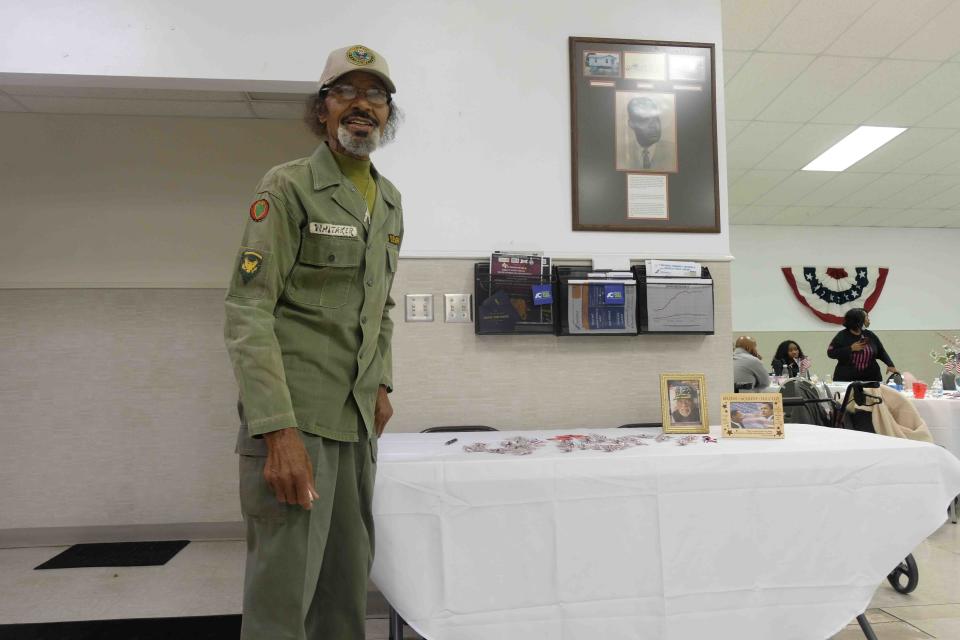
746 539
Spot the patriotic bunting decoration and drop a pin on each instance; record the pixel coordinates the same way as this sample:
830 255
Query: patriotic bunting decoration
829 292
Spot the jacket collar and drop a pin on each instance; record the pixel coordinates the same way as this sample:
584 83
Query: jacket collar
326 173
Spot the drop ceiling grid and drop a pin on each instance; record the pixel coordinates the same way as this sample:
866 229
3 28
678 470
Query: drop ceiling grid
804 73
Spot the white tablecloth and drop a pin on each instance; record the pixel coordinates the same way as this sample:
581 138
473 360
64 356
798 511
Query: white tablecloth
744 539
942 416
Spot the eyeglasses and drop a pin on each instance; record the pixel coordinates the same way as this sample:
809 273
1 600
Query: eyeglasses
348 92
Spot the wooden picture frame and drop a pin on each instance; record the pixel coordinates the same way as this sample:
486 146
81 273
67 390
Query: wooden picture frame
644 153
683 403
751 415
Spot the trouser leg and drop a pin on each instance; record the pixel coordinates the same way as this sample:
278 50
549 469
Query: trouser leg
285 546
339 604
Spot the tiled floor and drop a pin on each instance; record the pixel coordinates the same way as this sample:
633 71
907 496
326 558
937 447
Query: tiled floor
206 578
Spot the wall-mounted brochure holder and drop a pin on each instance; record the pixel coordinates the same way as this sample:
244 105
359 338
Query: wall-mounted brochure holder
678 305
596 302
508 304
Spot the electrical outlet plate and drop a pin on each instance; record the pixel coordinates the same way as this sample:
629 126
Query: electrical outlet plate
419 307
458 307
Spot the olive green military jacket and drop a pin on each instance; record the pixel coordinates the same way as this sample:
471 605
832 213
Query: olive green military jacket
307 312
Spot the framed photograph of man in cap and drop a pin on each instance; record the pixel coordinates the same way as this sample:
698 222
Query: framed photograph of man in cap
644 140
751 415
683 403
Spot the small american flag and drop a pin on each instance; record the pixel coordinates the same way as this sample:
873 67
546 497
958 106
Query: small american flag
804 364
952 367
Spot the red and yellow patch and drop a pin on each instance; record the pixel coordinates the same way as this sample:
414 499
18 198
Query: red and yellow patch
259 210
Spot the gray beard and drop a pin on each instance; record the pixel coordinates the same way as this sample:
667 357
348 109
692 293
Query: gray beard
357 145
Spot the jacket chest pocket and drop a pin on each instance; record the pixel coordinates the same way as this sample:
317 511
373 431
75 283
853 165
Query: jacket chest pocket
325 269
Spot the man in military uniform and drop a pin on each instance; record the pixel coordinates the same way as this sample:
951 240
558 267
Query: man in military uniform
684 410
308 331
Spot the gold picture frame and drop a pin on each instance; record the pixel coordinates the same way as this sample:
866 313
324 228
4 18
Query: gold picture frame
683 403
751 415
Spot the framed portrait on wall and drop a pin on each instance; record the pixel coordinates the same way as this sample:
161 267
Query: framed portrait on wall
644 136
683 403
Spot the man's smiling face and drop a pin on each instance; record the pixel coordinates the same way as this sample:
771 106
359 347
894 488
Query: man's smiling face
357 120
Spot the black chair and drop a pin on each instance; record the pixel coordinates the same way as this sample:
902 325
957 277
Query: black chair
396 622
642 425
742 387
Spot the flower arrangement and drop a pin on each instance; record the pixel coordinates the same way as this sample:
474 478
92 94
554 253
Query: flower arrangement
949 357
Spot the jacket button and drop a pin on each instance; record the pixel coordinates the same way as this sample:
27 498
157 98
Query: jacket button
363 319
332 258
369 283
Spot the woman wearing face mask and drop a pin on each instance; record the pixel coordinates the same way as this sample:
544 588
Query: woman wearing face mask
857 350
786 362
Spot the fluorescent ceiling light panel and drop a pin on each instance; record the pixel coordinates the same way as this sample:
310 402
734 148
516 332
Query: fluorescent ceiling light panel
863 141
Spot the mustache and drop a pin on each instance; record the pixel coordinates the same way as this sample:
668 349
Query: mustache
357 112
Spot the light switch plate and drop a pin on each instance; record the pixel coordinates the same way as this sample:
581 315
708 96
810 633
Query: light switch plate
458 307
419 307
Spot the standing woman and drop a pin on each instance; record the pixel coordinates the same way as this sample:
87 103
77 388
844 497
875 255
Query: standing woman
787 360
857 350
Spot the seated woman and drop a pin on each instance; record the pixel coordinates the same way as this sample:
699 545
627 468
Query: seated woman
857 350
786 362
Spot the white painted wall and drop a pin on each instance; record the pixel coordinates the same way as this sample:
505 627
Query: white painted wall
483 160
920 292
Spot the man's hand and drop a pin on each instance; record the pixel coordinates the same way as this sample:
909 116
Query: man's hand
383 411
288 470
859 345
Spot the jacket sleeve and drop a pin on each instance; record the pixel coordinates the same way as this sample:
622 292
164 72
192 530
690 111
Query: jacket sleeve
839 351
266 256
760 373
882 354
385 340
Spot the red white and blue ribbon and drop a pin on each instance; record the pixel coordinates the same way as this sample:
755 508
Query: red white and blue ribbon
829 292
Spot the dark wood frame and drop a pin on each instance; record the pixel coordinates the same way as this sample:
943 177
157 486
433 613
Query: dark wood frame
642 225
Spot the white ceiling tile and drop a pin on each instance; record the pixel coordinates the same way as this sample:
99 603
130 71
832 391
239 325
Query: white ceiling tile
804 145
832 216
813 25
746 23
876 192
949 116
8 104
842 185
880 86
907 146
732 61
920 191
734 174
938 219
754 184
789 191
949 199
734 127
756 141
796 215
278 110
884 26
757 215
932 93
189 108
118 93
872 217
936 40
937 157
826 78
760 80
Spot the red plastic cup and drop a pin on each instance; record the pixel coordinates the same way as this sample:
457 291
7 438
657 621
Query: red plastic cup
919 390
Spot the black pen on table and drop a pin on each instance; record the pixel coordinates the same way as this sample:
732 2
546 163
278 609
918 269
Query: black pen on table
451 441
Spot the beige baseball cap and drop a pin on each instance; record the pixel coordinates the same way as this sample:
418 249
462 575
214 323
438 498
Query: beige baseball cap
356 58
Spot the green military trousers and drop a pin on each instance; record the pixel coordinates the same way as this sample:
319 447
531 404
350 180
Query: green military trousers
306 574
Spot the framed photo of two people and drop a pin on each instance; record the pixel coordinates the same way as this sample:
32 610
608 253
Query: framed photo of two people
644 127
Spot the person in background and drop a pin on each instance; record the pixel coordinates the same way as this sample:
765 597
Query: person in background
789 360
748 371
857 350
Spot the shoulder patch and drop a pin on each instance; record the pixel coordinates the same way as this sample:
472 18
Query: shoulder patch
250 263
259 210
394 239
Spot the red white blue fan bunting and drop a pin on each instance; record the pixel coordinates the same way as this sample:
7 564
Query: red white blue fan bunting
829 292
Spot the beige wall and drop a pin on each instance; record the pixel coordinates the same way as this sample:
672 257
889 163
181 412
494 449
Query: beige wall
119 404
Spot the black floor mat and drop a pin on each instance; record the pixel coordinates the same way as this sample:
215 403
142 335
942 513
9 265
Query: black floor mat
116 554
192 628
